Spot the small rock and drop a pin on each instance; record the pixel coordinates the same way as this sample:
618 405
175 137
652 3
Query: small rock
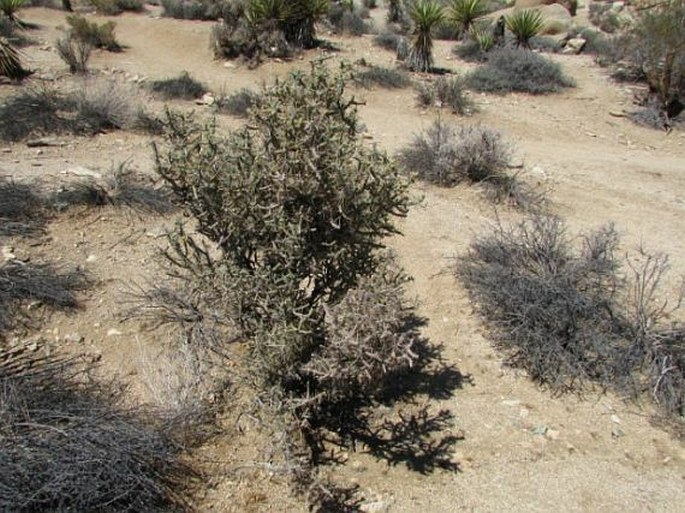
617 432
207 99
615 419
91 259
8 253
552 434
229 65
82 171
74 338
6 150
113 332
540 430
538 172
574 46
375 507
511 402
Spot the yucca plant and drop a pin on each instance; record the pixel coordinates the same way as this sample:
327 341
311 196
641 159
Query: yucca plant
483 37
462 13
299 19
525 25
10 7
10 62
425 15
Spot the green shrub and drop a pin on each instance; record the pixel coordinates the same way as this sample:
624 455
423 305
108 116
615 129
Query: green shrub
383 77
289 202
97 36
183 87
9 9
510 70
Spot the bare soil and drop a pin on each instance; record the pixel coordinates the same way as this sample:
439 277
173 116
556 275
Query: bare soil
520 448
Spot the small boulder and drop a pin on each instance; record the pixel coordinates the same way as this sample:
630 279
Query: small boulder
574 46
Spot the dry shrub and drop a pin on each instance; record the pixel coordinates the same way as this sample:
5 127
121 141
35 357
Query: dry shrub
69 444
238 103
447 155
387 78
183 87
570 317
446 92
75 53
97 36
21 208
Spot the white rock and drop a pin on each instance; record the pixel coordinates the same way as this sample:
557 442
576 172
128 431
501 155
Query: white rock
91 258
113 332
574 46
82 171
229 64
8 253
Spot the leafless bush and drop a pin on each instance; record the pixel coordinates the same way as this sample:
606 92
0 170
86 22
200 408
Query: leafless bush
104 105
550 308
447 155
570 317
120 187
21 208
39 284
68 444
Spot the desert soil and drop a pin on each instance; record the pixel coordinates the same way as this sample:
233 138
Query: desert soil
522 450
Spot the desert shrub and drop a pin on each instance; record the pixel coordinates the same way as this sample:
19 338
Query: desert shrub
193 9
388 40
603 16
546 44
510 70
98 36
566 314
384 77
425 15
658 48
525 24
298 225
120 187
347 19
88 109
470 51
70 444
549 307
182 87
238 103
21 208
114 7
34 110
445 92
74 52
45 285
370 4
446 155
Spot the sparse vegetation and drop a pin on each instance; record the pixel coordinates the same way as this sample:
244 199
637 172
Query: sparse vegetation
238 103
10 62
347 19
446 92
69 443
91 108
114 7
74 52
193 9
446 155
388 40
10 7
97 36
515 70
569 317
383 77
183 87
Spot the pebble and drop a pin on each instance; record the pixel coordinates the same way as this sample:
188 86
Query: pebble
113 332
91 259
615 419
617 432
74 338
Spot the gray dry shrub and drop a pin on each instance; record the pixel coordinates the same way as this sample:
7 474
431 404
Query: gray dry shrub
447 155
516 70
387 78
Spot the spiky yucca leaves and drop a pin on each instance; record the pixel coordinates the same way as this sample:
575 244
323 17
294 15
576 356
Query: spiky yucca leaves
482 35
525 25
462 13
296 18
10 7
10 62
425 14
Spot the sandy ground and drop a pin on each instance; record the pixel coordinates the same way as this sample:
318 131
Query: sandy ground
599 168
